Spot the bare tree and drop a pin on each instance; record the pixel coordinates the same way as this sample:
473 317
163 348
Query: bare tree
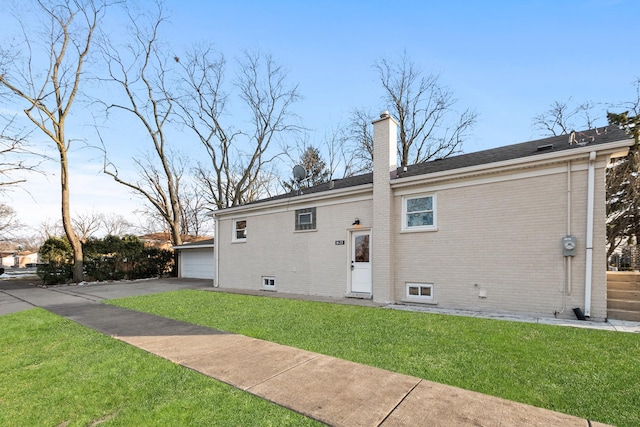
49 93
359 130
8 222
49 229
237 157
563 117
21 243
87 224
149 221
116 225
15 155
429 127
194 213
143 78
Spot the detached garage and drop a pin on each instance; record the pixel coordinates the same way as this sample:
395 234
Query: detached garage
195 259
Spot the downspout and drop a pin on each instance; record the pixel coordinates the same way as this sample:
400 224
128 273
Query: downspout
568 290
589 244
216 245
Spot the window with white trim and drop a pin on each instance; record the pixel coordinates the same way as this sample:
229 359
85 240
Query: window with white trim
306 219
419 212
268 282
239 230
420 291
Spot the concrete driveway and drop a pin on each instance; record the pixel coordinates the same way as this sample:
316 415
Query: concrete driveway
24 293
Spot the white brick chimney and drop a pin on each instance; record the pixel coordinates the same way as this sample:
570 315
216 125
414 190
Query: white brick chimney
385 144
385 161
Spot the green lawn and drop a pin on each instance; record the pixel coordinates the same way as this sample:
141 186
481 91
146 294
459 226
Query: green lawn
587 373
54 372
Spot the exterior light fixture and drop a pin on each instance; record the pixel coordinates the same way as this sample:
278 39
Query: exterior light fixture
356 222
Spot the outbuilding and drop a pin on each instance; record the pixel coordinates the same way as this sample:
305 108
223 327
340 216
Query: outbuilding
195 259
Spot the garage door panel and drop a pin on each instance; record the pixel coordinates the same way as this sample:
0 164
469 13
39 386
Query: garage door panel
197 263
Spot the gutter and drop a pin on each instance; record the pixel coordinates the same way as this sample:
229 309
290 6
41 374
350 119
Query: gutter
288 202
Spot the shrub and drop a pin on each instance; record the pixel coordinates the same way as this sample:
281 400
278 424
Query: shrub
115 258
57 255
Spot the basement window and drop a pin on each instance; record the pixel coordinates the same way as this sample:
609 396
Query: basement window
268 282
420 291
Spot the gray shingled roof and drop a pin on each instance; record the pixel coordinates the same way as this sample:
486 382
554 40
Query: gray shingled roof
197 244
516 151
352 181
509 152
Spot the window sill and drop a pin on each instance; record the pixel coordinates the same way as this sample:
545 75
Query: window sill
239 241
418 230
306 231
418 301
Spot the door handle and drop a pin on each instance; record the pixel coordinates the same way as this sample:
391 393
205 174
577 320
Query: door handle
352 265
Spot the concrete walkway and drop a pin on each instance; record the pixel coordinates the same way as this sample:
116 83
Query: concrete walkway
333 391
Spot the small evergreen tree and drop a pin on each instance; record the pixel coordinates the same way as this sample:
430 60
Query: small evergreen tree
314 164
57 256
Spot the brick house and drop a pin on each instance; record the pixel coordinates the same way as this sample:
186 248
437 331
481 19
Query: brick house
515 229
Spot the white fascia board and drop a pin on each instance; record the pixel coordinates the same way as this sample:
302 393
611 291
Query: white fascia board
182 248
313 199
610 148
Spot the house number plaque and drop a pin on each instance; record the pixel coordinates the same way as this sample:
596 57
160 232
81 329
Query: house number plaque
339 242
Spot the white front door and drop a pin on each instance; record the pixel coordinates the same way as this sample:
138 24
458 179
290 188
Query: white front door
361 261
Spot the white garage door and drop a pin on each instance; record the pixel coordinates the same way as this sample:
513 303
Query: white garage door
197 263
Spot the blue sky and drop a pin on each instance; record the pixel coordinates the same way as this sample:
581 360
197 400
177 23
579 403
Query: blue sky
507 60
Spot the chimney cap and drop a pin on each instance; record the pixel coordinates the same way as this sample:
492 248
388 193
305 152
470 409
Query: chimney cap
385 114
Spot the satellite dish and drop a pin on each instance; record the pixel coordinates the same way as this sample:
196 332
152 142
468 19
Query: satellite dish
299 173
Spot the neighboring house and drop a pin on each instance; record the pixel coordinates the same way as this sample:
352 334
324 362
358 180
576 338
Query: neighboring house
27 259
515 229
162 240
156 240
19 259
195 259
7 259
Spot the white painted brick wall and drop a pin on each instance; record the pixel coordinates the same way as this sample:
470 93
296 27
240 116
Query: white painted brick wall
303 262
501 237
504 238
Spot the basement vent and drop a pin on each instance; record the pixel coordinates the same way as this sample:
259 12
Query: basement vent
545 147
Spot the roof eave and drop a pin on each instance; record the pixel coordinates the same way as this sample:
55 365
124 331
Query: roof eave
179 247
615 148
297 200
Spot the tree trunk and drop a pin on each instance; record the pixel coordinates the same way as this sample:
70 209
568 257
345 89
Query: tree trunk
74 241
176 237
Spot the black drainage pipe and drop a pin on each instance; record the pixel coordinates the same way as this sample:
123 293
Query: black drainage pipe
579 313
